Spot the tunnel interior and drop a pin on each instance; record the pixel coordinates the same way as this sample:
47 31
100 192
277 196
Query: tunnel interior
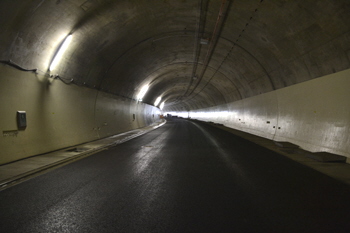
277 69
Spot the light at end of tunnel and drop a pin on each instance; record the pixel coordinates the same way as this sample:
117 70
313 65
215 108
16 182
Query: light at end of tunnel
157 101
60 52
162 105
142 92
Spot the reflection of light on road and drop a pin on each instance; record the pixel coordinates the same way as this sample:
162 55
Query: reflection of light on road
148 153
62 217
149 172
144 158
227 158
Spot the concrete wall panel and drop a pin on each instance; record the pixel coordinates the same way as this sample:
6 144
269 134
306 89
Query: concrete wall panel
60 115
112 115
314 114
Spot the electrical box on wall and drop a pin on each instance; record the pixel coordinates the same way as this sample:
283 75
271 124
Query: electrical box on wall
21 119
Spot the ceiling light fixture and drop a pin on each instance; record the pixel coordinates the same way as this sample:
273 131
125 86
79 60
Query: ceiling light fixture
142 92
162 105
157 101
60 52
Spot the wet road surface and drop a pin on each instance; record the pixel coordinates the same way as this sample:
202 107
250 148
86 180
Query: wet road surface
182 177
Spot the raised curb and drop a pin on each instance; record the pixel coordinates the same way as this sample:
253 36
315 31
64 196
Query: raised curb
80 151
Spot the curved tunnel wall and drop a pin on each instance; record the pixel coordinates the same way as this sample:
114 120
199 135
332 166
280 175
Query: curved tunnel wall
119 46
314 114
60 115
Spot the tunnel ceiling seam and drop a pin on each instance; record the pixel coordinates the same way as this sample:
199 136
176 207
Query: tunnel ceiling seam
202 8
212 44
227 55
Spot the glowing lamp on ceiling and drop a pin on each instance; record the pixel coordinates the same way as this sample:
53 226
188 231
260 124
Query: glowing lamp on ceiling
161 106
157 101
60 52
142 92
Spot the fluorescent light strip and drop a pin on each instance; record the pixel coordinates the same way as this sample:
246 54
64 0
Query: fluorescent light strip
157 101
162 105
60 52
142 92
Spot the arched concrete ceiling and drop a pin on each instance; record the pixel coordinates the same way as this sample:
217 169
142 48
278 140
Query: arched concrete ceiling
253 47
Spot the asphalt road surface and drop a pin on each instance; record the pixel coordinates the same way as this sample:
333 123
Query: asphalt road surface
182 177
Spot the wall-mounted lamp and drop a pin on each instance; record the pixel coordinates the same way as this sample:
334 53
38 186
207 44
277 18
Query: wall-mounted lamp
142 92
60 52
157 101
162 105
